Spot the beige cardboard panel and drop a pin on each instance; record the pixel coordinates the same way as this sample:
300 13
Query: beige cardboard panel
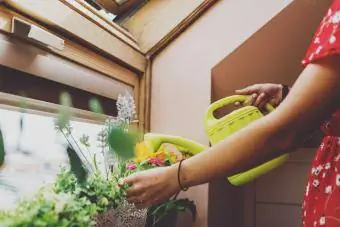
272 215
303 155
283 185
157 18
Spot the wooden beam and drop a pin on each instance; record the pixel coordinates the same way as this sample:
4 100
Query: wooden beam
145 99
114 29
181 27
63 17
13 102
158 22
108 21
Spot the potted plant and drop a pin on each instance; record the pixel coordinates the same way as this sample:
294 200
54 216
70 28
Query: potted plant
86 193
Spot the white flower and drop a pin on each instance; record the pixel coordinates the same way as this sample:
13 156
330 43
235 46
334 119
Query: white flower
332 39
126 108
316 183
322 221
336 18
324 175
328 189
337 180
328 165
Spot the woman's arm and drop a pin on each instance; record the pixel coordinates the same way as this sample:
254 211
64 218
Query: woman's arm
274 94
312 99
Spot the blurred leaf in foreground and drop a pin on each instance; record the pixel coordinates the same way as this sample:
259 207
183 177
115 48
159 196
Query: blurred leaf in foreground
2 149
77 166
95 106
122 143
64 112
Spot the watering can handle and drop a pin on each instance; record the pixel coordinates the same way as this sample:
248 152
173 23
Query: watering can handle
209 116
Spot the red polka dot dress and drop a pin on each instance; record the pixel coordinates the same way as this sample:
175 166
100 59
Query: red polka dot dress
321 205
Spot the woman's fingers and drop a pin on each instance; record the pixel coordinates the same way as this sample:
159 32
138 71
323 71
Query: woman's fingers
261 98
263 104
252 99
134 190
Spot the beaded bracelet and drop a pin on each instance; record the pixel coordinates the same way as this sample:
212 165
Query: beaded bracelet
179 177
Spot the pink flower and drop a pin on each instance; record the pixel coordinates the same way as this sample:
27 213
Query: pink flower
156 161
131 166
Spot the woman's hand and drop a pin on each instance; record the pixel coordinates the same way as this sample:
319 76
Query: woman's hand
261 94
152 186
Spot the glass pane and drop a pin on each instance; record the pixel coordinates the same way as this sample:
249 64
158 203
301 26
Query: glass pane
35 154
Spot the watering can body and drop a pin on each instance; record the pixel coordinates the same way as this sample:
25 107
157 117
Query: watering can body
219 129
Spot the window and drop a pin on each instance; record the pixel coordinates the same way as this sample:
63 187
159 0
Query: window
18 83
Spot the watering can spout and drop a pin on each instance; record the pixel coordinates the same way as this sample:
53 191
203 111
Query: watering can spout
155 140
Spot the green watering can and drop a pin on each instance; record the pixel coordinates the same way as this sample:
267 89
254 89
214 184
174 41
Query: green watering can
217 130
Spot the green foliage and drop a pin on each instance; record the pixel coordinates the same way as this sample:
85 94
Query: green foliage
97 189
50 209
172 206
82 192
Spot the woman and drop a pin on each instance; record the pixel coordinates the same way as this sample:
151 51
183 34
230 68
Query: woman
313 99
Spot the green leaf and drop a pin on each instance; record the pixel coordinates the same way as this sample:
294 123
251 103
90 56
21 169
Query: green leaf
64 112
77 167
2 149
122 143
95 106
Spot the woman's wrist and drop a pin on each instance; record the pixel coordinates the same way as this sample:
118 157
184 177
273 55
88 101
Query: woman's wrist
178 174
284 91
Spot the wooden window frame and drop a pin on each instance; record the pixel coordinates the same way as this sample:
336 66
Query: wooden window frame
70 17
74 56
